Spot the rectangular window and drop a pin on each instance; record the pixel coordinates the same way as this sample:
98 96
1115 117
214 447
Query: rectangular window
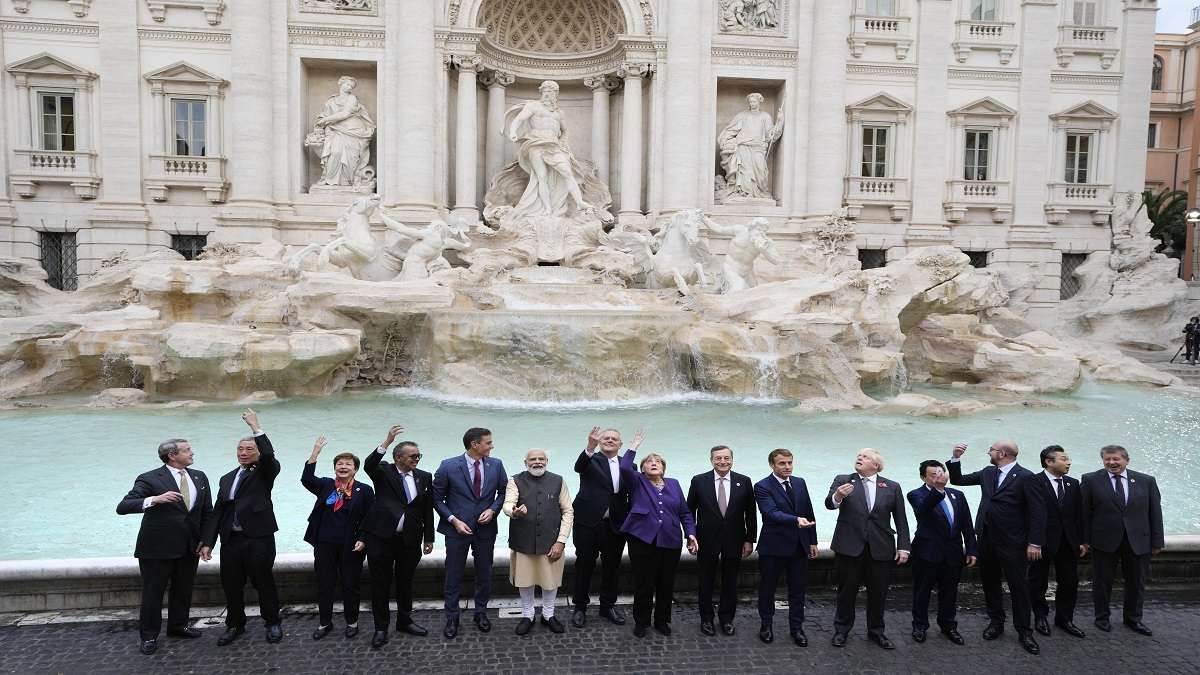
1068 283
189 125
1079 151
977 162
881 7
979 259
875 152
57 113
985 10
872 258
1152 137
190 246
1085 13
58 259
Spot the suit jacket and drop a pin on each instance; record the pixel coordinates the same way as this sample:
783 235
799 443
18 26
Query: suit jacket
168 531
740 522
1063 519
858 529
454 495
391 502
936 540
359 504
596 492
251 503
1106 521
655 518
1006 518
780 535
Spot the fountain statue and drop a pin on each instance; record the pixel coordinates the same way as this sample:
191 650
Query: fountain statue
681 253
745 144
748 243
342 137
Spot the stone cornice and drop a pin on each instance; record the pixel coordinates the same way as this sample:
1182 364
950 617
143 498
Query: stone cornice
909 72
17 26
166 35
1088 80
983 75
628 48
341 36
750 55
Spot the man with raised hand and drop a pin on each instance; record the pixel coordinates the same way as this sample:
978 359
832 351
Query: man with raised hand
600 509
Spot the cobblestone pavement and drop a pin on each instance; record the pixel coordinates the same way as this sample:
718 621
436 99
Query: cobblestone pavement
111 646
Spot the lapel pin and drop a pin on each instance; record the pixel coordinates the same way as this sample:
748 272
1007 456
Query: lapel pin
1131 480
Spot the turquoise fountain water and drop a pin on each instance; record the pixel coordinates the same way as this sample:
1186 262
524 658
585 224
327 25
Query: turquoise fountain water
65 470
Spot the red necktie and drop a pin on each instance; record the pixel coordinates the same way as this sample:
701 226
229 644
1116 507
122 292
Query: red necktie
478 480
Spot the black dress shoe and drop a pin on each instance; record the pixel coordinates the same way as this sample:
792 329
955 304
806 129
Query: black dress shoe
1103 625
451 630
186 633
229 635
881 640
993 631
954 636
413 628
351 631
766 634
379 639
727 628
839 640
274 633
639 630
149 646
918 635
1070 629
1139 627
663 627
708 628
482 623
1029 644
579 618
554 624
800 638
613 614
524 626
1042 626
322 631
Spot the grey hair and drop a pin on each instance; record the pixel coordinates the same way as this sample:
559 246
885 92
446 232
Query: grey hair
169 447
247 438
1114 450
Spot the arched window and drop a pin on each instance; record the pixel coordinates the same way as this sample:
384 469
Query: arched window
1156 74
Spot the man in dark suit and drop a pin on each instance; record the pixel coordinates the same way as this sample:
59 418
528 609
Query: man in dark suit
175 504
468 491
600 509
944 541
864 544
244 517
397 530
1058 496
1011 533
722 502
787 542
1122 522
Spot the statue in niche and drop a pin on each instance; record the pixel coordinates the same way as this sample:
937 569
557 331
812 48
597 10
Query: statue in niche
748 243
745 145
553 186
749 15
343 133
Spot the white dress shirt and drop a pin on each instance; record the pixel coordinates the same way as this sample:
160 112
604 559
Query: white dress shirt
179 475
1004 473
868 485
1112 483
410 491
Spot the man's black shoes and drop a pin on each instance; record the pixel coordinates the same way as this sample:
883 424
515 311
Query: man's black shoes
918 635
800 638
839 640
1104 625
708 628
993 631
1070 629
149 646
482 623
451 630
321 631
274 633
380 639
954 636
639 630
524 626
662 627
766 634
1029 644
613 614
1042 626
413 629
579 618
554 624
727 628
351 630
229 636
186 633
1139 627
881 640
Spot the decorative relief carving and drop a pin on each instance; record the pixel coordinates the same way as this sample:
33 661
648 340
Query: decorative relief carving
48 27
212 9
983 75
553 26
160 35
78 7
750 56
335 37
907 72
489 78
352 7
452 12
752 16
1084 80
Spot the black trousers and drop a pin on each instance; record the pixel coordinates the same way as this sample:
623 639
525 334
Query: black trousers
653 581
1192 350
598 541
248 558
727 560
1066 572
157 575
770 568
391 561
334 562
944 576
852 571
1134 569
1010 564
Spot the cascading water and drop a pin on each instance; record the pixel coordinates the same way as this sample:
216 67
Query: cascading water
899 379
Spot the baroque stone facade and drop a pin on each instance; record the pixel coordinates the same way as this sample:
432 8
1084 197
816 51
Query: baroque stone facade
1004 128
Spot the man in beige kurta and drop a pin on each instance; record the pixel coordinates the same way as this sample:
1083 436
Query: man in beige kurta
539 506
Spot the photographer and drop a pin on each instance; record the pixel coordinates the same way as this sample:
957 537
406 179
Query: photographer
1191 340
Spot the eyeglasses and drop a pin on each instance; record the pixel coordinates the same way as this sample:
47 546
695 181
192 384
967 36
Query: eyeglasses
413 456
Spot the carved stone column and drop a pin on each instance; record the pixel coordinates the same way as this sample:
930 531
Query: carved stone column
413 72
121 150
493 142
250 102
827 115
631 139
465 137
601 86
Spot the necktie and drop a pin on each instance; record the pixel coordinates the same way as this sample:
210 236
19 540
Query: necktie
722 498
787 488
999 479
1059 488
870 494
948 510
408 492
185 490
1119 486
478 480
237 481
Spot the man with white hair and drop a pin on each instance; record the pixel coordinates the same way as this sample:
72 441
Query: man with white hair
539 505
864 545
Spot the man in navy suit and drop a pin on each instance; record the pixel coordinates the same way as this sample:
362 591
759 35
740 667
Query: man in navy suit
468 491
787 541
944 541
1058 496
1011 533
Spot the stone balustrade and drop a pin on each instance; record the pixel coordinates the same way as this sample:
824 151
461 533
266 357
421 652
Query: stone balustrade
964 194
890 192
1066 197
999 36
1099 40
76 168
895 31
205 173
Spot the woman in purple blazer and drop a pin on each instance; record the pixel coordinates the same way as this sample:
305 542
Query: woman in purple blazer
657 512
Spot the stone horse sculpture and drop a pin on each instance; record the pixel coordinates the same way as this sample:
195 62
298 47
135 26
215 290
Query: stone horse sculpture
681 255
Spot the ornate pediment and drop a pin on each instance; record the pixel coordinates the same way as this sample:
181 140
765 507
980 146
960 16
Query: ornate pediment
881 102
48 65
181 72
984 107
1088 110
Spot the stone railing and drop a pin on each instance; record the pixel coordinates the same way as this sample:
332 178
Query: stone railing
881 30
1067 197
890 192
999 36
74 167
168 171
964 194
1099 40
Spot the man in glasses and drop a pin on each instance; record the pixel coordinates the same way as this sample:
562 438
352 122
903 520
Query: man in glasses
397 531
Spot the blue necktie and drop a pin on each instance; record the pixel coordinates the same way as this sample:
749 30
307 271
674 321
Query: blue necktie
948 511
